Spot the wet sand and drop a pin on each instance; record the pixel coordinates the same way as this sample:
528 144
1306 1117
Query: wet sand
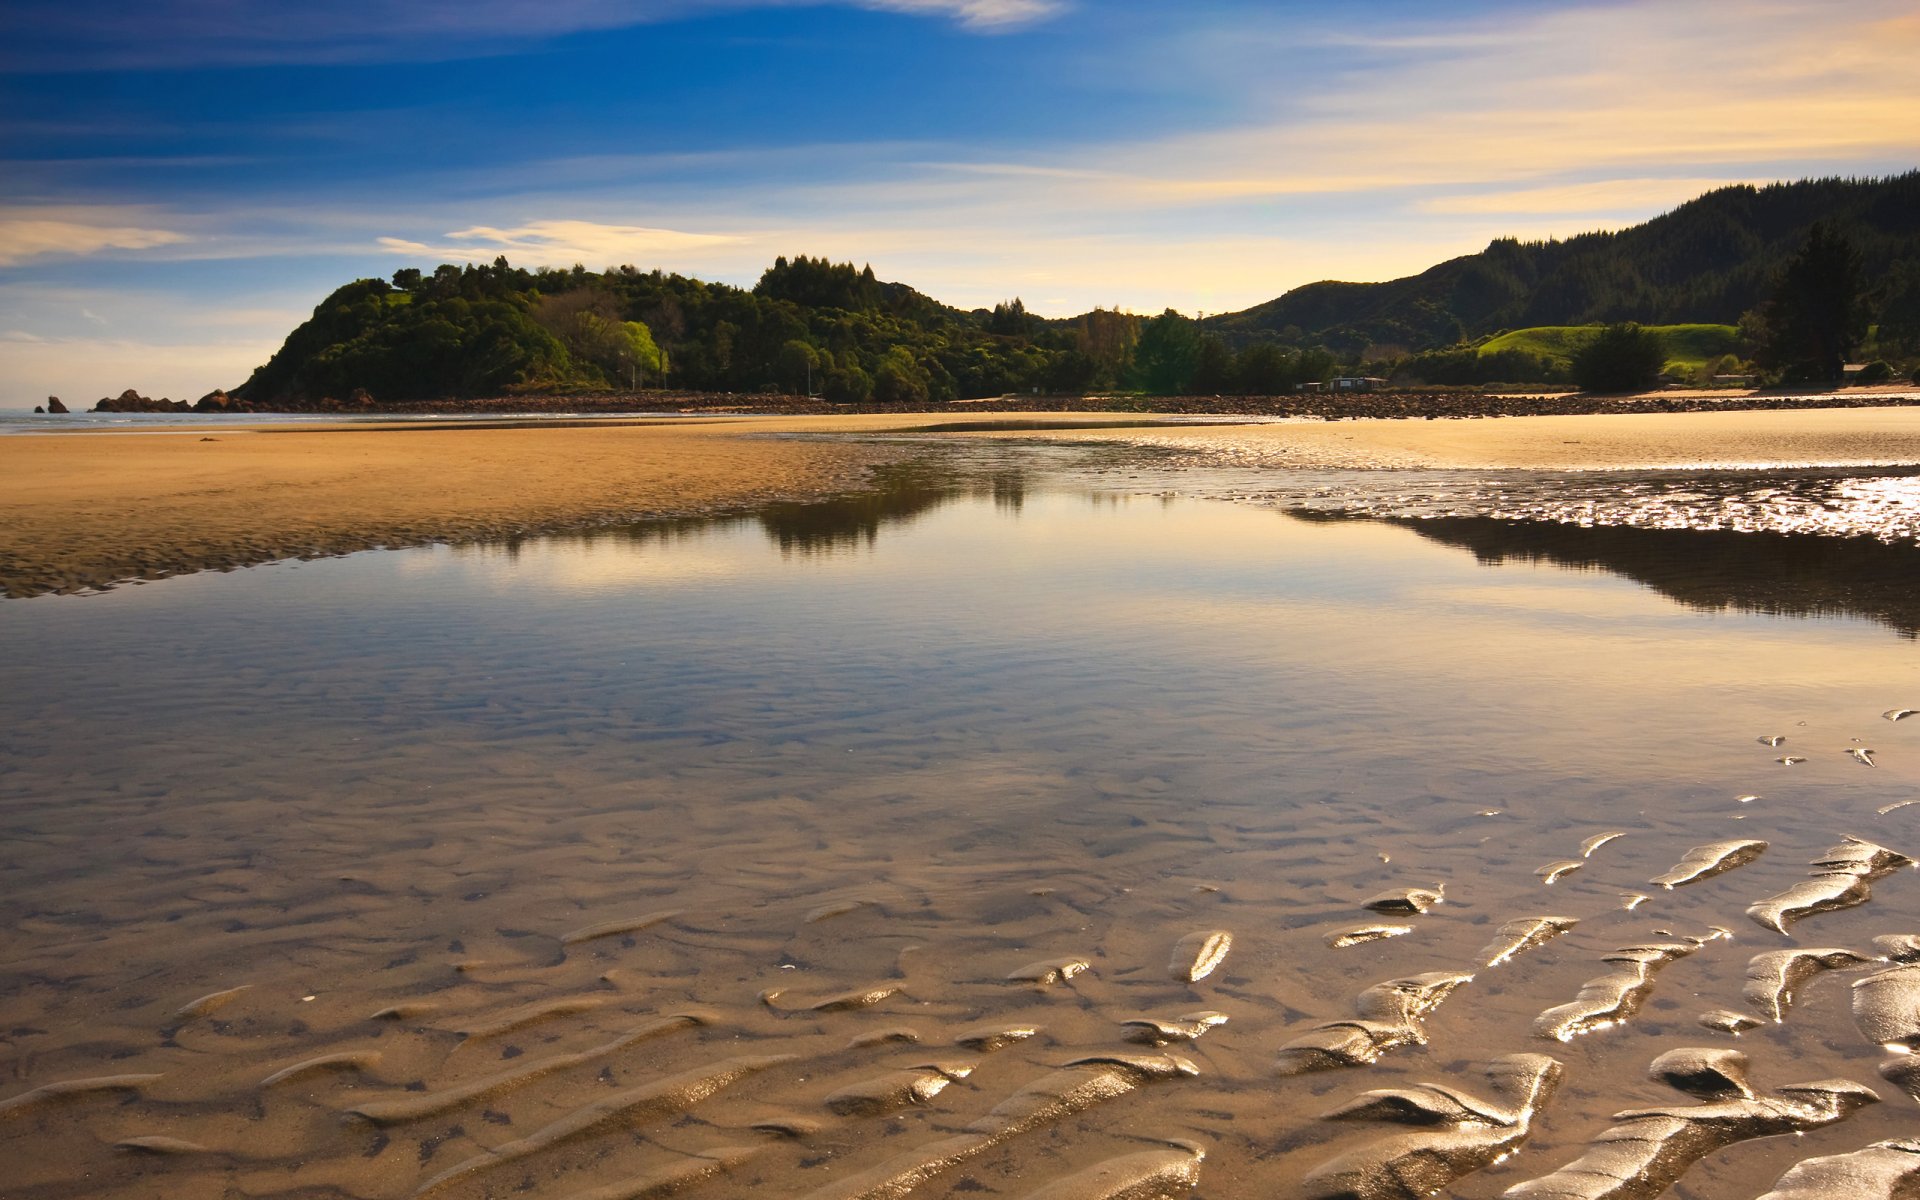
1808 437
86 510
318 887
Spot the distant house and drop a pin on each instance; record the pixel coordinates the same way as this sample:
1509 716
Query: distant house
1357 383
1311 385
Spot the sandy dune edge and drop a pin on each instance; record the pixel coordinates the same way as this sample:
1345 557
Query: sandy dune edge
88 509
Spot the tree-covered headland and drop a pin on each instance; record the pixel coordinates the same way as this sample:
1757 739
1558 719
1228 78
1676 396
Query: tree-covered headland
1783 283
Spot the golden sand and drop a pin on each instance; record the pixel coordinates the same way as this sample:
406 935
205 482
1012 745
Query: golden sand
87 509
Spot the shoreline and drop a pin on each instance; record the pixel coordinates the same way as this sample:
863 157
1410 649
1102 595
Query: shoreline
80 513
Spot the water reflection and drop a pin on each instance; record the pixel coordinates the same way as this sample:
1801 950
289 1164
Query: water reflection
443 832
1773 573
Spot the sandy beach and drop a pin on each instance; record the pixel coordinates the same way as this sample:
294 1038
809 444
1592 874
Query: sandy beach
88 509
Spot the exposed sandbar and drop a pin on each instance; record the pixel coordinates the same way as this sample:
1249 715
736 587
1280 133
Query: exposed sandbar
88 509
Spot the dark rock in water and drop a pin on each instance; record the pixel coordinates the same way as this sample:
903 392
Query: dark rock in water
1888 1170
1470 1133
1842 878
54 405
1522 934
1391 1014
131 401
40 409
1403 900
1886 1006
1707 1073
1614 997
1704 862
1773 975
1647 1150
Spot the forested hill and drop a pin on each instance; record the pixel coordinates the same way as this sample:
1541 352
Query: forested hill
834 330
1711 259
808 324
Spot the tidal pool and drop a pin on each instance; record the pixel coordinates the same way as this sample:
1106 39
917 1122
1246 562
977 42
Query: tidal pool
740 857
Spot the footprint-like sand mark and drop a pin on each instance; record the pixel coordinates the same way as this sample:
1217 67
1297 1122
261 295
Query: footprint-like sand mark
1520 935
1463 1133
1843 877
656 1101
1886 1006
416 1106
1360 935
1613 998
1888 1170
896 1090
1198 955
1076 1087
1773 975
1647 1150
1714 858
1389 1015
68 1089
1148 1175
693 1169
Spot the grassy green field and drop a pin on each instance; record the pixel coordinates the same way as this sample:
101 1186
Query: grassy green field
1688 346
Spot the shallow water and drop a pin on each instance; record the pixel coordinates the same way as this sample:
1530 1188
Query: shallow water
917 740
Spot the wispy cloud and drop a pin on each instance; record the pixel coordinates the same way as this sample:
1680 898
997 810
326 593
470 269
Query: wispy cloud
561 243
1601 197
984 15
31 233
120 33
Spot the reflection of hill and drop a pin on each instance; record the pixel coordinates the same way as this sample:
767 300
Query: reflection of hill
1785 574
854 521
900 495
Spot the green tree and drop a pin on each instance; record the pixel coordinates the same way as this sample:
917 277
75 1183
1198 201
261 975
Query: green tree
642 356
1213 368
1621 358
798 365
1818 314
899 380
1263 369
1163 359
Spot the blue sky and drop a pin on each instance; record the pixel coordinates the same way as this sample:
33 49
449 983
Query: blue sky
184 179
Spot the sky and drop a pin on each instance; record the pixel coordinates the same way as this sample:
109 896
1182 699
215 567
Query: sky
181 181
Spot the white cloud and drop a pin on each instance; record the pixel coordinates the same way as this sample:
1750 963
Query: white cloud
120 33
983 15
27 233
561 243
1604 196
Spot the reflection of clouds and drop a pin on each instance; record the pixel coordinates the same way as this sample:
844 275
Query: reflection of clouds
606 563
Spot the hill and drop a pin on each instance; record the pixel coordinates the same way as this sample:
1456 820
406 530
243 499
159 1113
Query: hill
1709 260
834 330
